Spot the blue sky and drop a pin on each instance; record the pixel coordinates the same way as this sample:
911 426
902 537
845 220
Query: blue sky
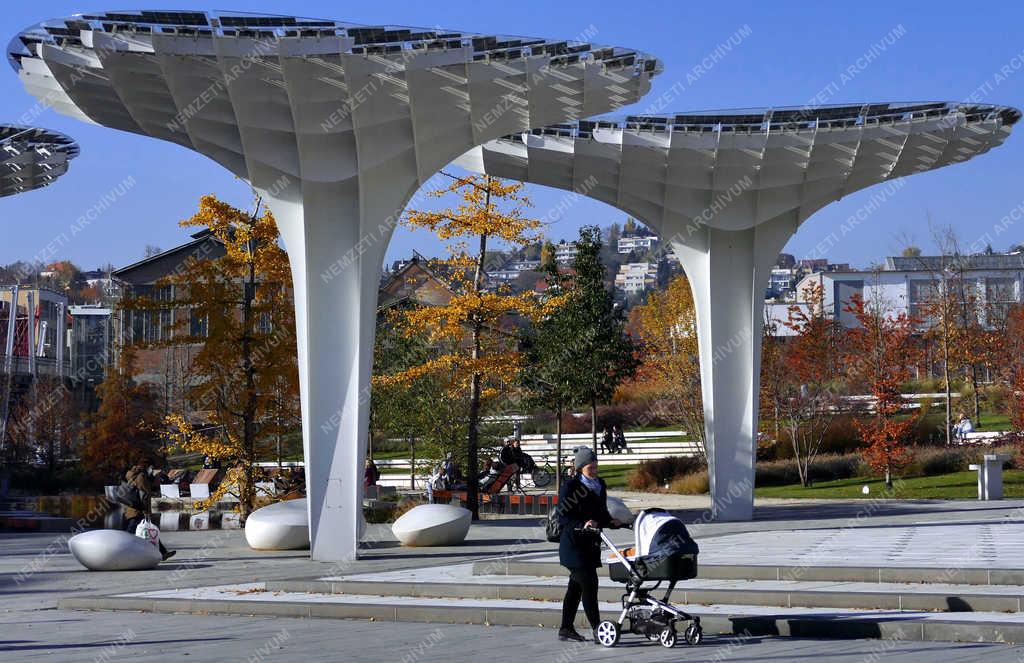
792 52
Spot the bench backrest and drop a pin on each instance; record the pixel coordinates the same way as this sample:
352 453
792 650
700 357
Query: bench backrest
503 477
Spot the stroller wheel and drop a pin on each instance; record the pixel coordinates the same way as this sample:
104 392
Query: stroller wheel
668 637
694 634
607 633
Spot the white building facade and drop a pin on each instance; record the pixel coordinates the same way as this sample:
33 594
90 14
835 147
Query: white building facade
906 285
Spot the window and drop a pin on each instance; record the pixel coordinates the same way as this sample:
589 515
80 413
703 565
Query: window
199 325
923 295
264 323
1000 295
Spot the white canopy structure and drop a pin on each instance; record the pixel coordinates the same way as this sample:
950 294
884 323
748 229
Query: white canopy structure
336 126
726 190
32 158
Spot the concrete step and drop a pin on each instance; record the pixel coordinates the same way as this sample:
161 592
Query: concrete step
783 594
257 599
549 567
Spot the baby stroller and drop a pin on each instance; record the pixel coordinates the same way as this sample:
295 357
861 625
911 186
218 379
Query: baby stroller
664 552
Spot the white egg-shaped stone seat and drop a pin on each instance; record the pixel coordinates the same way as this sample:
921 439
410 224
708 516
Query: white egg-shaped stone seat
619 511
433 525
279 526
113 550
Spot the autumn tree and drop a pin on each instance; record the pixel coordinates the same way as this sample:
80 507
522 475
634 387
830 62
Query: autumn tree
807 402
421 410
1012 373
482 357
239 316
878 355
666 327
44 426
121 432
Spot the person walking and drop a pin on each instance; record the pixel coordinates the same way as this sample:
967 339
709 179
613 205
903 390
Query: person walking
606 441
619 443
371 474
583 508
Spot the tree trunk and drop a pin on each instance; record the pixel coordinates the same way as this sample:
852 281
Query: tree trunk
977 402
249 414
945 367
593 424
558 451
412 464
474 399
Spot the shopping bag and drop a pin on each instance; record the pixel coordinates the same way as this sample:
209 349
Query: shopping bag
148 531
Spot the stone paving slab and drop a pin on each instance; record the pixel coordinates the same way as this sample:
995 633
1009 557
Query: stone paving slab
59 636
253 599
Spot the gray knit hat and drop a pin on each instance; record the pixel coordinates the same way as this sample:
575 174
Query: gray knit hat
584 456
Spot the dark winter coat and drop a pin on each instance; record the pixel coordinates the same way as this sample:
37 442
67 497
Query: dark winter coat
576 505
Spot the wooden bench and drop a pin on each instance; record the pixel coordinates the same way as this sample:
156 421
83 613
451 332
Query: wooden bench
484 496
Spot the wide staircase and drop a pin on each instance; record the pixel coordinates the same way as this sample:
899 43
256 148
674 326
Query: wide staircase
543 448
838 583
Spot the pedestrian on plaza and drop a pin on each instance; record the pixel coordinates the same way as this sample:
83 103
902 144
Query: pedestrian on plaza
135 495
620 439
583 509
370 474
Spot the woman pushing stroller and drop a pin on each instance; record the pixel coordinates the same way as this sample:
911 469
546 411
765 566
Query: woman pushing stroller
583 509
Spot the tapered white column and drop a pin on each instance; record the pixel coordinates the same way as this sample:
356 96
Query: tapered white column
728 271
336 251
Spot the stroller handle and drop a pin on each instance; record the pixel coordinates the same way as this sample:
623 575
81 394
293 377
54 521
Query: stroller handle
608 542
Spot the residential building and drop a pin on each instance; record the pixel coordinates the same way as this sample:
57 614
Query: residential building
638 243
780 283
636 277
905 284
565 251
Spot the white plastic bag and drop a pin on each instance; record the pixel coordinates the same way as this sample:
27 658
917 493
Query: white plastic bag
148 531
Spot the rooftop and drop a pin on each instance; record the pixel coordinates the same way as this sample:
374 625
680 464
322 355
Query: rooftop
76 31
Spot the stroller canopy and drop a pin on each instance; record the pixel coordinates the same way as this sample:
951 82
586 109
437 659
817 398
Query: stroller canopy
658 532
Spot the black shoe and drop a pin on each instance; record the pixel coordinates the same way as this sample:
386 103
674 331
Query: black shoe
169 554
565 634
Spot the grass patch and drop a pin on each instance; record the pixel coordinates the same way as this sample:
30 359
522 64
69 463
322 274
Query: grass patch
615 475
957 485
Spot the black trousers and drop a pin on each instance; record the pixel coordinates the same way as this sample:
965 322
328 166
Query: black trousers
131 523
582 585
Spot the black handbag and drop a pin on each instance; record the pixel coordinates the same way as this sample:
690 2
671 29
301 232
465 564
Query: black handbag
554 526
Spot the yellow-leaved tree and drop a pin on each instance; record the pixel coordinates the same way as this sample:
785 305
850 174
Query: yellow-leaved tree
236 311
670 373
475 330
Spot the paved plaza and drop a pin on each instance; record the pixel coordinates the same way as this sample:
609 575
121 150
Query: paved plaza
36 572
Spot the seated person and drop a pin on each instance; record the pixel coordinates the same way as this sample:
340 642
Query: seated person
486 478
522 459
508 453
